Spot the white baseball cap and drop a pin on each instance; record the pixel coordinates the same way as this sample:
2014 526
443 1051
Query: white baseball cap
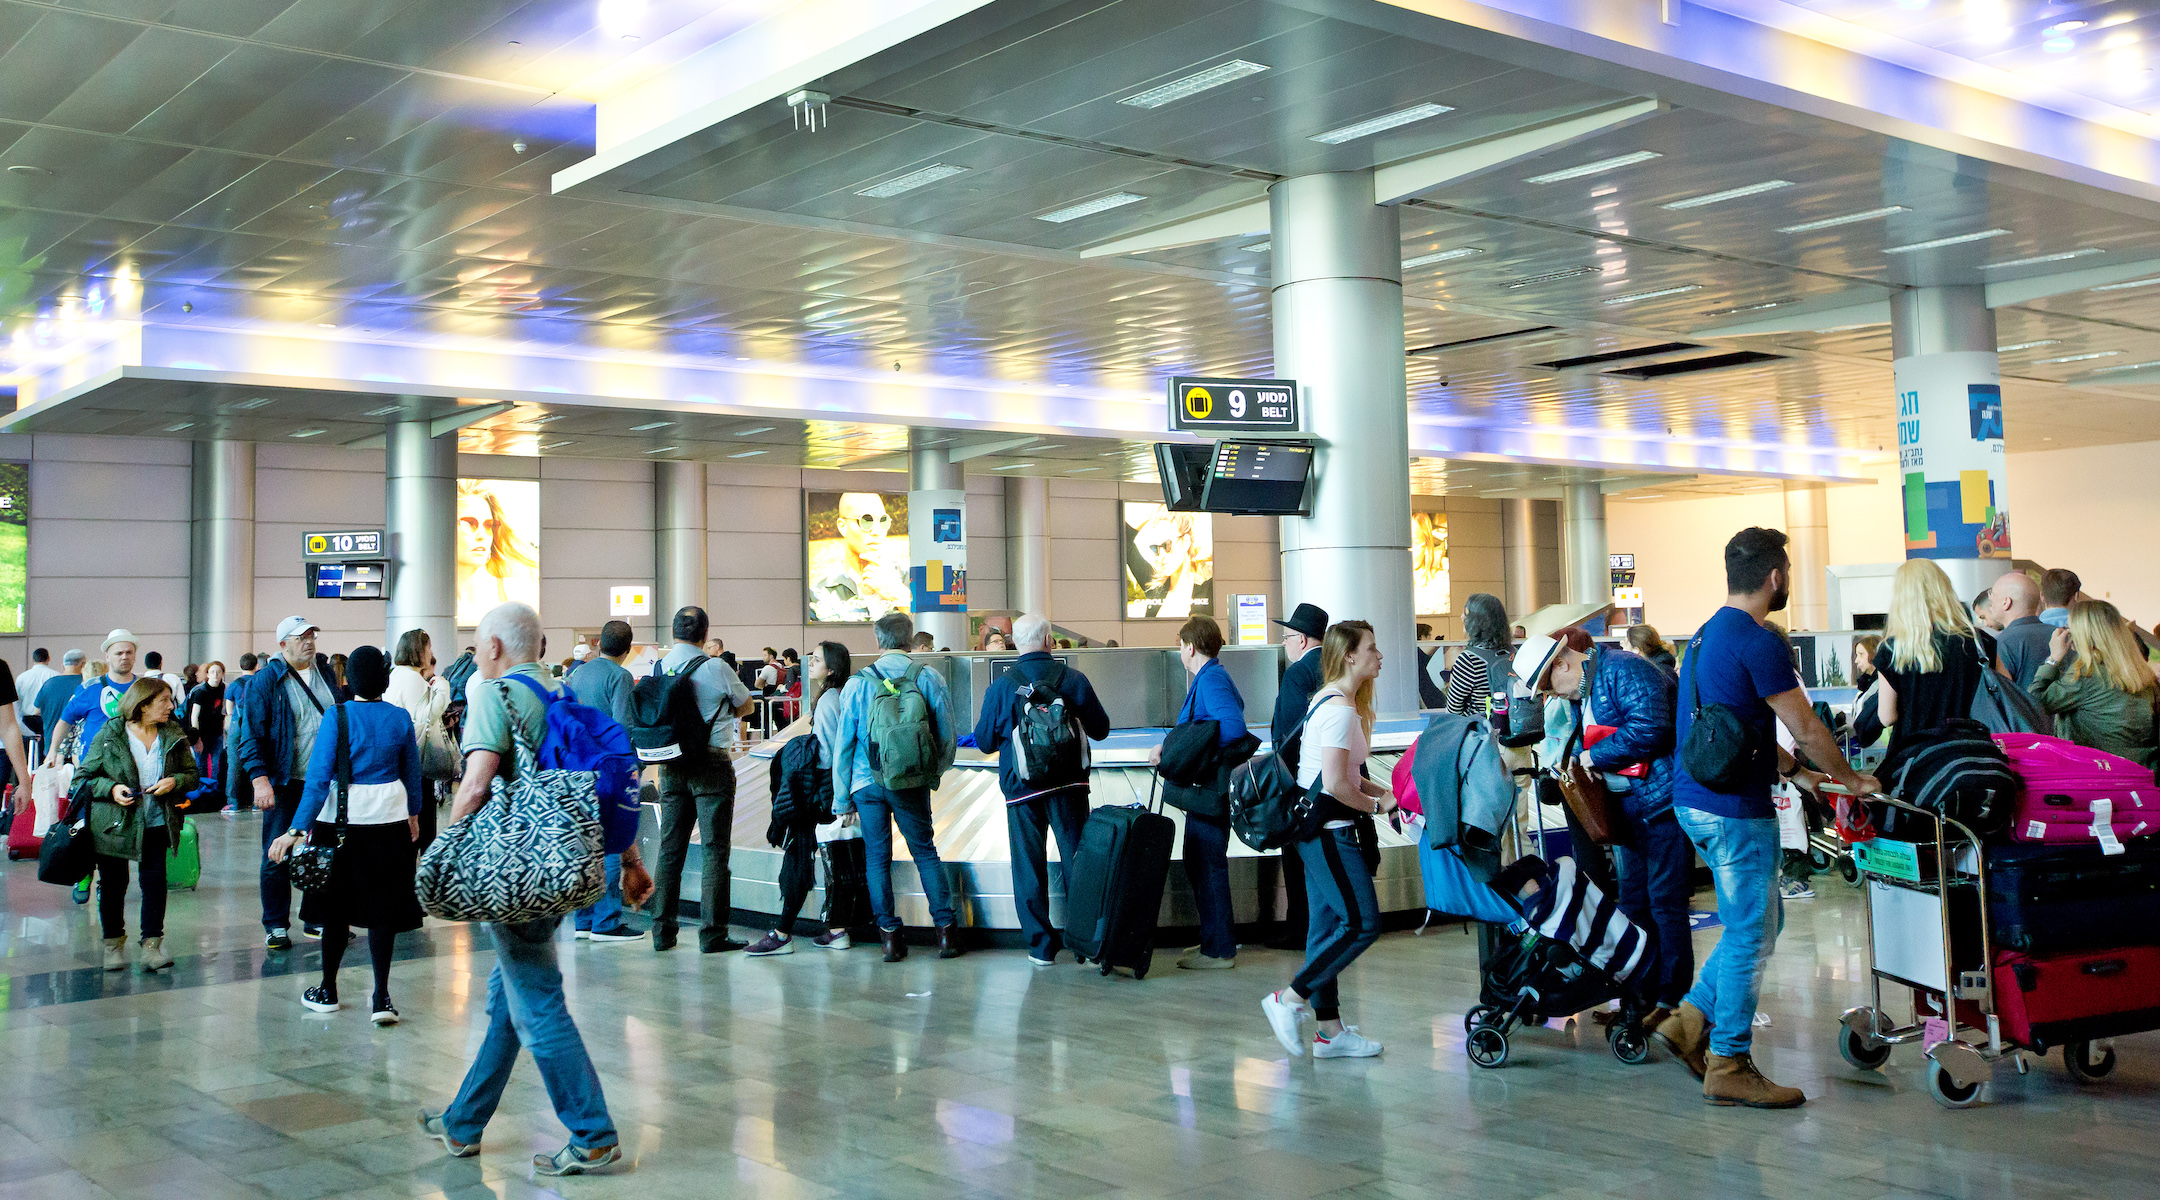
582 651
292 627
115 638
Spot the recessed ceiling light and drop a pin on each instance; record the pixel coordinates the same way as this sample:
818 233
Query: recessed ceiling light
1671 291
650 425
556 445
27 169
1937 243
2062 27
1012 466
2127 367
1554 277
1380 124
1258 247
545 418
749 454
2029 345
2037 259
1082 470
1745 308
1426 260
912 180
306 433
1194 84
2124 287
1088 208
384 411
748 432
662 449
1593 168
1753 189
182 425
2069 358
1873 214
252 404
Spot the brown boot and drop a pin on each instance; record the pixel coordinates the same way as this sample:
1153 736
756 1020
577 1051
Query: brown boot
1736 1081
1686 1035
1655 1017
948 942
895 948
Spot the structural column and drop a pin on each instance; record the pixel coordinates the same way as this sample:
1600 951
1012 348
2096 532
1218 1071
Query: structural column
1583 557
937 545
1950 432
678 542
1807 523
1339 334
1518 557
420 525
1027 544
221 569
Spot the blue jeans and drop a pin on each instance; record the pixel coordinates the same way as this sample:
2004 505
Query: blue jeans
1743 857
1345 915
910 810
275 879
606 912
526 1008
1207 869
1655 863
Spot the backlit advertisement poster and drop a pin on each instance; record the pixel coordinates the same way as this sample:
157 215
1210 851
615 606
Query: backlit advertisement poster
14 546
498 545
1169 562
937 551
855 555
1429 563
1950 453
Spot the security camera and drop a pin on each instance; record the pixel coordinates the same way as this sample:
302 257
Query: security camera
518 145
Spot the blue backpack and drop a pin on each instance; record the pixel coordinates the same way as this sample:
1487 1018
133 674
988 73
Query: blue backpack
582 738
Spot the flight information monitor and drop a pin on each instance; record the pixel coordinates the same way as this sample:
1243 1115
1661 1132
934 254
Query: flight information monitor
1265 478
1183 471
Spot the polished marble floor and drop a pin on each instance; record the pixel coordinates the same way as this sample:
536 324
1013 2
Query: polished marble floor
833 1074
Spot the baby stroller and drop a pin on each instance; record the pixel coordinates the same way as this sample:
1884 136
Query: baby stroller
1568 949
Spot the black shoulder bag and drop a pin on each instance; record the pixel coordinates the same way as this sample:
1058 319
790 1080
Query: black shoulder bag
1720 747
1268 810
310 862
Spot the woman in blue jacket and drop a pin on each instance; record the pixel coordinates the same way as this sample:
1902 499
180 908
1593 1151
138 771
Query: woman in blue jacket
371 876
1212 697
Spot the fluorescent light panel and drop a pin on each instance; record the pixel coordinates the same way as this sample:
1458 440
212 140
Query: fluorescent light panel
182 425
2070 358
2124 287
912 180
307 433
1938 243
650 425
2128 367
1594 168
2029 345
662 449
556 445
1194 84
1873 214
1554 277
2037 259
1671 291
748 432
1012 466
1258 247
1380 124
748 454
1088 208
1753 189
1426 260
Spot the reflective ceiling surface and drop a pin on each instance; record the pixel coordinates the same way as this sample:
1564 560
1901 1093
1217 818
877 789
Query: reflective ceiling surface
380 173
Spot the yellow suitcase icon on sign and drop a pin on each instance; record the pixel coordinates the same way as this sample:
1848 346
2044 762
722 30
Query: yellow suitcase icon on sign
318 544
1199 403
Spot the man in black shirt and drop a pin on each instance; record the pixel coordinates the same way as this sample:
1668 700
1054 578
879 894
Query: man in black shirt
1302 633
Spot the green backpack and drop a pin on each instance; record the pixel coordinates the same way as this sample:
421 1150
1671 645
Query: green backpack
904 749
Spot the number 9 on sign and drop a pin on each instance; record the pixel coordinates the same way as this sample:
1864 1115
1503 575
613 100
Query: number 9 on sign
1237 405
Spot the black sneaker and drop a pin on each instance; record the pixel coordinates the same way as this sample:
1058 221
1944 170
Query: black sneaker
320 999
385 1012
277 939
663 937
615 933
312 933
721 945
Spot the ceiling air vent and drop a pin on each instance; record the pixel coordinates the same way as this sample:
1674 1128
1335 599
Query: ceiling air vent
1691 366
1443 347
1593 360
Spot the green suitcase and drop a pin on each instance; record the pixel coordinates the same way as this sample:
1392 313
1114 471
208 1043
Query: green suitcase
183 863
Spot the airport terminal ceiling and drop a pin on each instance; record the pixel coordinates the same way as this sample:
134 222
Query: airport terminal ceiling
327 207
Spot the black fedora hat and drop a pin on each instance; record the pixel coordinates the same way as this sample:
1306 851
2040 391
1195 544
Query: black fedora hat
1308 619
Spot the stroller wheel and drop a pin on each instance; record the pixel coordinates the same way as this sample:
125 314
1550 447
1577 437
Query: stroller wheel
1482 1014
1629 1044
1487 1047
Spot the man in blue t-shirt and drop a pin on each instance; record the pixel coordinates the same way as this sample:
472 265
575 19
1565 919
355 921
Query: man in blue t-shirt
1737 663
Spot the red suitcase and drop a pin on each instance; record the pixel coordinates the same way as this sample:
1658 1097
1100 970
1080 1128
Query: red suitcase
2068 787
2049 1000
24 838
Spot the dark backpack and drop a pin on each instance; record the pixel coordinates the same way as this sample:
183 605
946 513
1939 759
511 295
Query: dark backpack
665 723
1955 771
1516 717
1047 742
802 790
1268 810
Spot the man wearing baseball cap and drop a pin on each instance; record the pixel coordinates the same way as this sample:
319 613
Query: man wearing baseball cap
280 712
98 699
1303 630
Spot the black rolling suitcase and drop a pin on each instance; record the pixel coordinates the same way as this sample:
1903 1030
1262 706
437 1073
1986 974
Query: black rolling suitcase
2045 900
1114 887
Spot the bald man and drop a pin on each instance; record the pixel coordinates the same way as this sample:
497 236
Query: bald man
2022 645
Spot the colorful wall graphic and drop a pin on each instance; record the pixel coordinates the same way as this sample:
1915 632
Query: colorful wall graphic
1950 452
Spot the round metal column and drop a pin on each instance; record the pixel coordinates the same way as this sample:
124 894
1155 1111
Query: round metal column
1027 544
1339 333
679 542
1807 523
1582 545
221 571
420 522
1518 557
1950 442
931 469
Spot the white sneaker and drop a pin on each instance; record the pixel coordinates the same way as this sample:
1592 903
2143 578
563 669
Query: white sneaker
1287 1018
1347 1044
582 935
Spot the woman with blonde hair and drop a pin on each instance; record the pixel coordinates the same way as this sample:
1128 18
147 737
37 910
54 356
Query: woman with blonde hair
2104 695
489 550
1341 855
1930 662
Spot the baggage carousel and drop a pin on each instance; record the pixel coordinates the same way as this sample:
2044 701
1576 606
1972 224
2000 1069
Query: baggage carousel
967 813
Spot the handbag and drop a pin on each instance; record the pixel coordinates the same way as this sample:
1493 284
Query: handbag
311 861
1268 810
1583 791
69 853
1191 752
532 851
2003 706
1720 748
1211 796
438 757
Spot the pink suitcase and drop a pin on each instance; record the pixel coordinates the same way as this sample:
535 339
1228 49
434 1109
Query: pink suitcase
2076 794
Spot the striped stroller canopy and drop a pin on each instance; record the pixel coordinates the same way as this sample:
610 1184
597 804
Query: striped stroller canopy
1571 909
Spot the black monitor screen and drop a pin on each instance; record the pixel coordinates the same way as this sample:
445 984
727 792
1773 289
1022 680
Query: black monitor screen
1258 477
1184 474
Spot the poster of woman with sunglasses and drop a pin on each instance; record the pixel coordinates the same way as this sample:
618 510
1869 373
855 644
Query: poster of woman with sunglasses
1169 562
857 554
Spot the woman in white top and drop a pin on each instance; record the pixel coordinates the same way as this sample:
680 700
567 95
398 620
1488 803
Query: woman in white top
1340 857
425 696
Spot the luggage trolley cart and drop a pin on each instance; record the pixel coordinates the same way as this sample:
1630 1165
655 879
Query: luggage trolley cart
1923 921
